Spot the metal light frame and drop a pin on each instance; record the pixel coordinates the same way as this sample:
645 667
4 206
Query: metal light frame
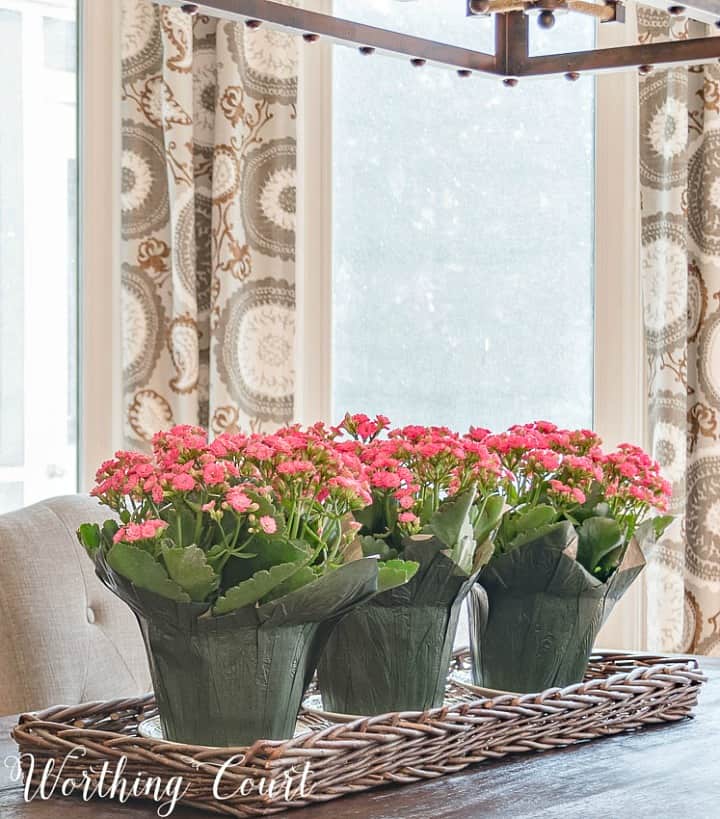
511 60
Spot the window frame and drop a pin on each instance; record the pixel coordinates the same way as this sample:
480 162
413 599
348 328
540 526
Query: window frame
619 378
37 477
99 340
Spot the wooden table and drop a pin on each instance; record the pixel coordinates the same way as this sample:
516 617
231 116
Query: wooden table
665 771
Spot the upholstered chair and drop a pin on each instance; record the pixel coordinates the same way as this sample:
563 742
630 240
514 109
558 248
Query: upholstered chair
64 638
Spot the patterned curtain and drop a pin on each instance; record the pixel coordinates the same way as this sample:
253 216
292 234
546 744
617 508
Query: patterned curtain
208 222
680 190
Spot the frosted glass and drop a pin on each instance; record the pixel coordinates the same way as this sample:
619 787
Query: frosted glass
38 250
462 239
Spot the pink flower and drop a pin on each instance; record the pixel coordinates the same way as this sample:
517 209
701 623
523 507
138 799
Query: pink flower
213 473
218 448
628 469
385 480
183 482
408 517
259 451
208 507
548 460
268 524
139 531
133 532
237 499
150 528
577 494
294 467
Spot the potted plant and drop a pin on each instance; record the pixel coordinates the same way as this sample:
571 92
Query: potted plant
433 503
569 546
233 556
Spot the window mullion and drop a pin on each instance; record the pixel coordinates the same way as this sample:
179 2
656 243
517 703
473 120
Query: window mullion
619 373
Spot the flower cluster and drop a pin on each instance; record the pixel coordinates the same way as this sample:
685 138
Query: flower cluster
631 478
552 474
565 466
416 468
294 482
314 490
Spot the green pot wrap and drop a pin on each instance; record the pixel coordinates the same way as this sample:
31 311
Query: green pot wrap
393 653
232 679
535 613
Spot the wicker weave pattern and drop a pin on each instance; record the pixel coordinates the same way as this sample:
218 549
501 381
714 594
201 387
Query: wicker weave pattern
621 692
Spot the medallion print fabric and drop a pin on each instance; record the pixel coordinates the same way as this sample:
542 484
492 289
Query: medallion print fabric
208 222
680 204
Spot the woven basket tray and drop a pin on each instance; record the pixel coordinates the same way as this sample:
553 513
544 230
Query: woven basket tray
621 692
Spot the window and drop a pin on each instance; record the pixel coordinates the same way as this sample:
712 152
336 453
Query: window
462 232
38 250
469 252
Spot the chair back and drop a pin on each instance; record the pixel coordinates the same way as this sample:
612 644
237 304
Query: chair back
64 637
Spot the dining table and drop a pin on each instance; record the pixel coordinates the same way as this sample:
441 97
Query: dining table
668 770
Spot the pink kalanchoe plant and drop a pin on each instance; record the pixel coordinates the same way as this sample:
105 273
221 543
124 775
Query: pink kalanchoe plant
199 519
552 474
235 556
412 472
570 544
435 502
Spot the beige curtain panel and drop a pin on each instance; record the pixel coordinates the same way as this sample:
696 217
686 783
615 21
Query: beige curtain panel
680 190
208 222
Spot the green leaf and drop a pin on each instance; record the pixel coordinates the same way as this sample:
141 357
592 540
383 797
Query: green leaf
534 518
592 506
90 537
395 573
181 526
372 546
654 528
609 563
661 523
378 517
252 590
366 518
216 557
490 515
483 554
597 538
450 521
264 552
464 552
266 508
531 534
296 581
190 569
391 512
109 530
427 510
144 571
272 550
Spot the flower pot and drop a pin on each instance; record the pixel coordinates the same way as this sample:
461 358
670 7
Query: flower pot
393 653
535 613
232 679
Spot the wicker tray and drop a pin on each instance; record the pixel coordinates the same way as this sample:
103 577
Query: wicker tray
621 692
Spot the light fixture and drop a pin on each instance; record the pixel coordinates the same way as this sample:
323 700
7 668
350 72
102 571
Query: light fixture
511 60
